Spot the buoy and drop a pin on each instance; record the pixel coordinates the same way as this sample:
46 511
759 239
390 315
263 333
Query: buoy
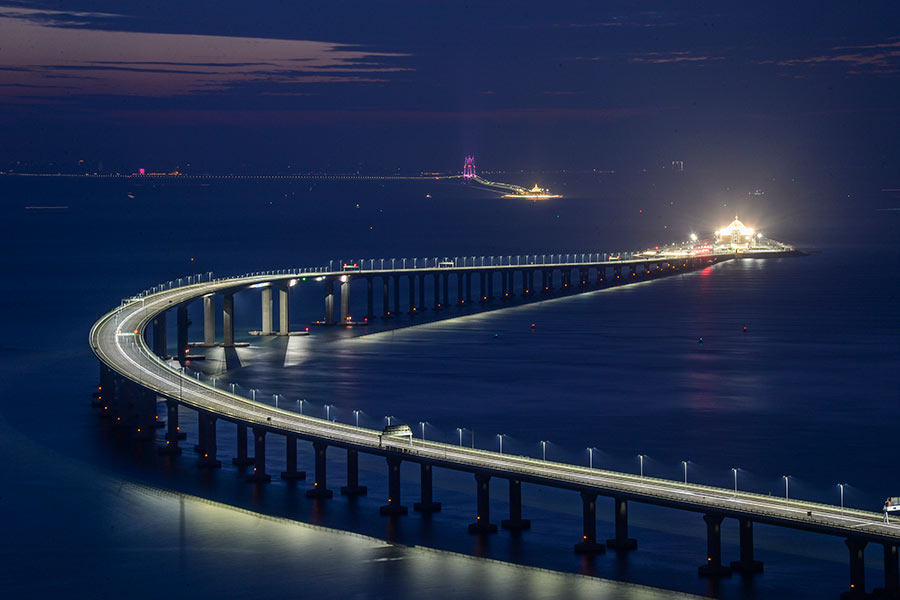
700 340
496 335
746 328
533 325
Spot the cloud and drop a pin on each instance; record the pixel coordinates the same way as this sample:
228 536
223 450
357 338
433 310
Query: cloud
681 56
36 50
870 59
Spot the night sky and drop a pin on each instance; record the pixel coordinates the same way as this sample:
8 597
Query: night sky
225 86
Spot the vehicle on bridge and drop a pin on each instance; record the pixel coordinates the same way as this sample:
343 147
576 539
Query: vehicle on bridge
892 504
446 264
351 267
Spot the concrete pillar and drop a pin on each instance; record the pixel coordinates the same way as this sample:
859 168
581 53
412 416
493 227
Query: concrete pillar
468 297
393 507
259 474
421 305
427 504
202 431
183 324
228 320
857 549
345 299
633 271
460 296
267 310
617 274
583 277
412 293
891 572
172 430
397 295
588 543
445 290
437 291
329 301
209 320
646 269
482 522
385 298
528 282
601 275
482 286
504 285
208 455
291 473
242 459
746 564
621 542
319 490
515 522
284 310
490 286
370 299
160 345
353 488
713 566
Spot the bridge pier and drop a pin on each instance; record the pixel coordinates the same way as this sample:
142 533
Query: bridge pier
208 459
746 565
284 310
353 488
242 459
385 297
228 320
647 270
329 301
617 274
183 324
468 297
202 430
291 473
529 285
209 320
565 275
437 291
714 567
259 474
393 507
459 288
421 306
601 275
482 522
172 430
482 286
504 284
427 504
160 346
345 299
319 490
397 295
267 310
515 522
891 574
370 299
857 549
412 294
583 275
588 543
445 289
633 271
490 286
621 542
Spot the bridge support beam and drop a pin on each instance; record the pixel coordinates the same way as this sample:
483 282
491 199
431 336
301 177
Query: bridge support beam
160 345
437 291
353 488
468 298
385 297
259 474
426 505
208 458
490 285
482 522
857 549
621 542
370 299
445 289
291 473
459 288
345 299
172 430
397 295
242 459
421 306
319 490
209 320
601 275
746 565
267 310
183 324
515 522
528 277
284 310
393 507
228 320
329 301
713 567
588 543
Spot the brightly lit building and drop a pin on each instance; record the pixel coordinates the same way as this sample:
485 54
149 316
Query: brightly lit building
736 235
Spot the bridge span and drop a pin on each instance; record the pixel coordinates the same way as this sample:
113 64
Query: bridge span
134 379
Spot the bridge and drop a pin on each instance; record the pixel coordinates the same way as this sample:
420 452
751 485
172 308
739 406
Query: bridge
135 378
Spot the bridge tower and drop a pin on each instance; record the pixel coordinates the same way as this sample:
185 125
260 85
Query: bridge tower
469 168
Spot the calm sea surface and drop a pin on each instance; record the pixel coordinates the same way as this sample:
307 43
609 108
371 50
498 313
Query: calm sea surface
809 390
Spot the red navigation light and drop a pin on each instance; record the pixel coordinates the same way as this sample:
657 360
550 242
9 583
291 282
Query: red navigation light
307 329
533 325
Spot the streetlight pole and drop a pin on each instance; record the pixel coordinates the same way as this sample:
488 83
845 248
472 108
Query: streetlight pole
422 423
459 431
841 485
500 437
590 458
786 479
544 449
356 414
684 464
642 457
735 471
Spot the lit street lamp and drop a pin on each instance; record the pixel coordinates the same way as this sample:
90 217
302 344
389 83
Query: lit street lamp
422 423
735 471
684 464
356 414
591 457
642 457
459 430
500 437
786 480
841 485
544 449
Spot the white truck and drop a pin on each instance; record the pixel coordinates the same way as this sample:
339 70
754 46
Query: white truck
891 505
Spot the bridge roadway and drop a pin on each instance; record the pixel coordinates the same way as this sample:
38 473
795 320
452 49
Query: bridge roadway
117 340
